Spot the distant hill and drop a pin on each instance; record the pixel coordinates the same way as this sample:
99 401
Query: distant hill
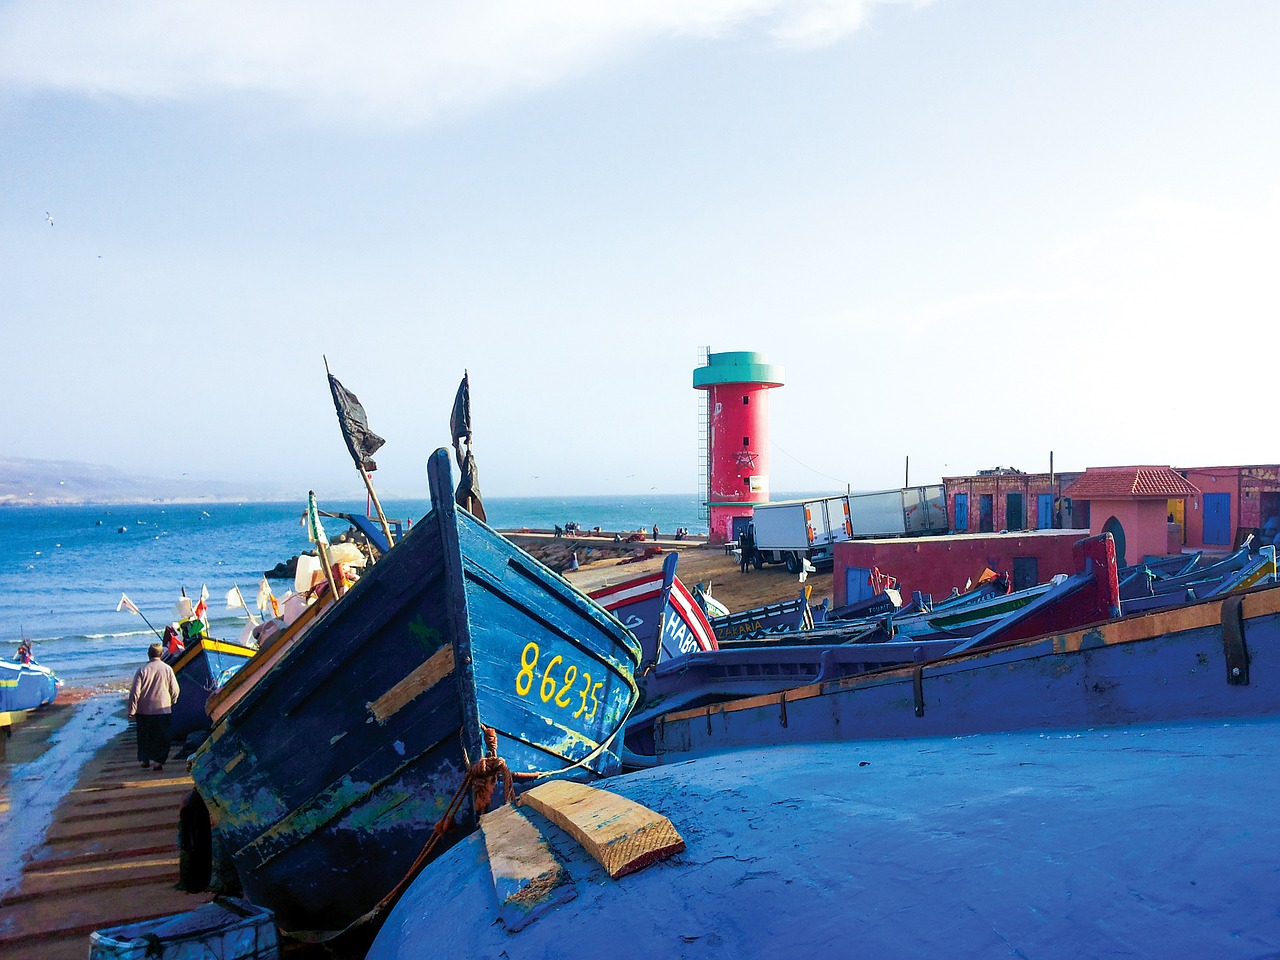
25 482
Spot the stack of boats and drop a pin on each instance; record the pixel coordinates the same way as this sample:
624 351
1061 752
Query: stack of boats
360 769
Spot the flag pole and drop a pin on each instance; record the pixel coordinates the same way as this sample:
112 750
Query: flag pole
321 548
364 474
247 611
382 519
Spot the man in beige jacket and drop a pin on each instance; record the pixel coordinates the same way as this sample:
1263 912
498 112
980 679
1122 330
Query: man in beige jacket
151 699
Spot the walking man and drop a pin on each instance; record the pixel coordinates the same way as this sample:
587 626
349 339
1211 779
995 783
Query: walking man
151 699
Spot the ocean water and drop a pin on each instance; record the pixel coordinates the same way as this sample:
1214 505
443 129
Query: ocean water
63 569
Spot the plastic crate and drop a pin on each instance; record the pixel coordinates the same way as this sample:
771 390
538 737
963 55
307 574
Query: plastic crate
226 929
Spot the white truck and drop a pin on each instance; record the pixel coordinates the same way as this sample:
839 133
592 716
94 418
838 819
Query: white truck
791 531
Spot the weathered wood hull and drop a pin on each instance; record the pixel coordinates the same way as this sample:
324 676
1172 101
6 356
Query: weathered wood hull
325 777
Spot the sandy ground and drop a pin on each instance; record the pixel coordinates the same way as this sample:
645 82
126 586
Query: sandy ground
707 565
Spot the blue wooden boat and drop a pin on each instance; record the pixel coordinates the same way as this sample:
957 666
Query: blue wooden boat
846 649
1136 840
663 614
1066 796
1196 661
202 667
26 685
1259 570
335 753
787 616
1142 585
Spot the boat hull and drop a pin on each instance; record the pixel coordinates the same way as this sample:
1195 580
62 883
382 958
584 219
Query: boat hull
26 686
1170 665
202 668
325 777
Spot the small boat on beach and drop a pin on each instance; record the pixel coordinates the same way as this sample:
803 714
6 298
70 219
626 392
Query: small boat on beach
786 616
26 684
661 611
844 649
382 718
202 666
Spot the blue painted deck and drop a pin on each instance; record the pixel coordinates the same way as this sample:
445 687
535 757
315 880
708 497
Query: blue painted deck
1145 841
326 774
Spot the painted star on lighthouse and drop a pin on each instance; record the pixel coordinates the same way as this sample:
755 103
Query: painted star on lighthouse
745 459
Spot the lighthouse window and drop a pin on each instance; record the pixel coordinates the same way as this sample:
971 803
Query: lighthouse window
746 482
746 399
746 442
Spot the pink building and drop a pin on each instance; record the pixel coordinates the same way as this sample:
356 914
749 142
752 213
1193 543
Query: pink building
1233 502
1138 506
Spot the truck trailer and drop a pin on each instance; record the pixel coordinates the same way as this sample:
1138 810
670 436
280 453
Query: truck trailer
791 531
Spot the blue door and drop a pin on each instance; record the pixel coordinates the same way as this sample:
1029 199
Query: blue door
1217 518
1044 511
962 512
857 584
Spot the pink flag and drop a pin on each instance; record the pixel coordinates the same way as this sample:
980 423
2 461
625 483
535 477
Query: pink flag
127 604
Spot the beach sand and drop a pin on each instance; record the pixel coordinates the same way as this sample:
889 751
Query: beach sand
701 563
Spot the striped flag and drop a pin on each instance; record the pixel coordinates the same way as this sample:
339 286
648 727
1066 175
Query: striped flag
127 604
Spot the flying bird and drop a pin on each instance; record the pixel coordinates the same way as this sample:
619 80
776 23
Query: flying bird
49 216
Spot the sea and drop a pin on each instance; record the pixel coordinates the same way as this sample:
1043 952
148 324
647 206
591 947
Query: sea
63 569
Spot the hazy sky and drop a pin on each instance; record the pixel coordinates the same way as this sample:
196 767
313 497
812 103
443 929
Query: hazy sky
971 232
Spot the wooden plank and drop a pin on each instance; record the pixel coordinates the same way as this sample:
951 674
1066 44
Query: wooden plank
527 878
438 666
621 835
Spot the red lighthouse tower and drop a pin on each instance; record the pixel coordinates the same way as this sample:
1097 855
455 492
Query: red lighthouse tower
737 386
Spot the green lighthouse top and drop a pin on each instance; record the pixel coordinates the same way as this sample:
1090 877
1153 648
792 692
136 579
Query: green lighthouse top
739 367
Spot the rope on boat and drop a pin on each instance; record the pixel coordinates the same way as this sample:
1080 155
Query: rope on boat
482 776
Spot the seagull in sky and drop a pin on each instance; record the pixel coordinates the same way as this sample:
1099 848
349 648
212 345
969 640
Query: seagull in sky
49 216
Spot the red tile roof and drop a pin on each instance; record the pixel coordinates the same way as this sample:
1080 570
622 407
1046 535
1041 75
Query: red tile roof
1129 483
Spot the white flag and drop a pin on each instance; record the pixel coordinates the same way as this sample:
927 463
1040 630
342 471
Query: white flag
264 596
234 600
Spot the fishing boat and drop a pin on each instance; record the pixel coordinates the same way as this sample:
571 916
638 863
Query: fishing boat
25 684
786 616
337 754
1069 795
660 610
846 649
1255 571
202 667
1138 840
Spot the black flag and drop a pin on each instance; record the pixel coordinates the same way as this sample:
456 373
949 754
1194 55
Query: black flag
467 495
361 441
460 418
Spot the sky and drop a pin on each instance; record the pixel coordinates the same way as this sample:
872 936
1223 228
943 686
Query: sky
970 232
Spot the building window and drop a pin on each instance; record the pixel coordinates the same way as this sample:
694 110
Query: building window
746 400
